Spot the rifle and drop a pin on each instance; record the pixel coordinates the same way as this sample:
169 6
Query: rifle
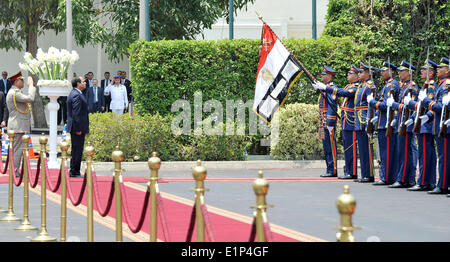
390 116
405 111
370 126
421 110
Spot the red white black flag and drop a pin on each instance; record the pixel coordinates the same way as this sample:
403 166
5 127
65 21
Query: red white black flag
277 72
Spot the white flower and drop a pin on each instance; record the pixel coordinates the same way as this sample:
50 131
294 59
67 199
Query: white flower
53 54
27 57
41 56
74 57
65 56
23 67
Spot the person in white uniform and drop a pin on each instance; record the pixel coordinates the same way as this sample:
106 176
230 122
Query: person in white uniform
119 98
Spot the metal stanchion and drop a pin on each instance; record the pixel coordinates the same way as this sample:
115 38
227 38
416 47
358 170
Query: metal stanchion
64 147
117 157
10 216
43 235
154 163
89 153
199 174
346 204
26 225
260 187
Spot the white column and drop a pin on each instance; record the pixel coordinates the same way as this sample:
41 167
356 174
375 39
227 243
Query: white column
142 19
53 107
99 63
69 37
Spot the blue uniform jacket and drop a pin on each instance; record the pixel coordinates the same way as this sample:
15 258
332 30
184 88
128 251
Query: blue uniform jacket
328 107
361 106
399 105
428 127
348 105
435 105
381 105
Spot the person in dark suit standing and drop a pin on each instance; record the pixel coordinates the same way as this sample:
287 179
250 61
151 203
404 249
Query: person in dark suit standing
5 83
107 97
4 113
127 84
62 111
95 98
77 123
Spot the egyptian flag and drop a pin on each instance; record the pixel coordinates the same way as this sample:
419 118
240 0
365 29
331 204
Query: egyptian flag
277 72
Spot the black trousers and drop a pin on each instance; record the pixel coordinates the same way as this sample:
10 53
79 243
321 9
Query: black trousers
107 103
77 153
62 112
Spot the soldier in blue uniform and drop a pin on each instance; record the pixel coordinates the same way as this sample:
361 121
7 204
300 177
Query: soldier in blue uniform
427 153
361 112
328 112
435 106
387 145
348 121
406 174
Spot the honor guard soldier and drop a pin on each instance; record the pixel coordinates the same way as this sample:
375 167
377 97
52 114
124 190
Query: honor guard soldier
437 106
362 115
386 142
406 174
328 113
427 153
348 121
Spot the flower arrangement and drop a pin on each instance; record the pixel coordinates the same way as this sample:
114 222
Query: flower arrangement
51 67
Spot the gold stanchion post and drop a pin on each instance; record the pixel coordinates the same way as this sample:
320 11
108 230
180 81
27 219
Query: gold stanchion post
154 163
10 216
26 225
260 187
199 174
117 157
346 204
89 153
43 235
64 146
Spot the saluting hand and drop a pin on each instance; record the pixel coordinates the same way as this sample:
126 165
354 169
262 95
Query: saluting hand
30 81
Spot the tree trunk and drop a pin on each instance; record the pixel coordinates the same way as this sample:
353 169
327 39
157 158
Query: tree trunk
39 119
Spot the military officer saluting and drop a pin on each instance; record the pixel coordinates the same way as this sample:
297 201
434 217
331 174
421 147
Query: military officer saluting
427 153
19 113
328 112
405 176
388 168
436 105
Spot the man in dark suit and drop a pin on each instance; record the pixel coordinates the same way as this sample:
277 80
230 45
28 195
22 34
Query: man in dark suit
4 113
77 123
107 97
95 98
127 84
62 111
5 84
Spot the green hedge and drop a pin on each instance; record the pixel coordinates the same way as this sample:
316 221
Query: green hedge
298 133
138 138
164 71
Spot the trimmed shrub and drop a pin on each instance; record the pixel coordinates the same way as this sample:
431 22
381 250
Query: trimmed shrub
298 133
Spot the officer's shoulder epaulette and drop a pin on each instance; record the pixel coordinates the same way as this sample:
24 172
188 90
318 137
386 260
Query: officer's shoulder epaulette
413 83
431 81
447 81
330 84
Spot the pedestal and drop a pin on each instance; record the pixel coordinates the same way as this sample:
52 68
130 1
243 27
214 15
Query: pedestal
53 92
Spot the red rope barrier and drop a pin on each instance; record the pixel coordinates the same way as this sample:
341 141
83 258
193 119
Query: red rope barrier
126 212
34 181
253 231
162 216
191 225
49 181
69 189
3 170
208 227
102 211
20 178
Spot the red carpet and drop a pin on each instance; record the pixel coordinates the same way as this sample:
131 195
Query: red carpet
225 229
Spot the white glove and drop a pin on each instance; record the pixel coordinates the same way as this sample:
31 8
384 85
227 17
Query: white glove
394 122
330 129
422 95
320 86
390 101
409 122
447 123
423 119
374 120
369 98
406 100
445 100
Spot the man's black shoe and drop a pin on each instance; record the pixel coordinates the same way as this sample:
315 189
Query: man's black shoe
410 184
397 185
328 175
358 180
438 191
367 180
347 176
380 183
448 195
419 188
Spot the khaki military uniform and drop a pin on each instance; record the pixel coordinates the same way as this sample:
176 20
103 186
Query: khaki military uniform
19 118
